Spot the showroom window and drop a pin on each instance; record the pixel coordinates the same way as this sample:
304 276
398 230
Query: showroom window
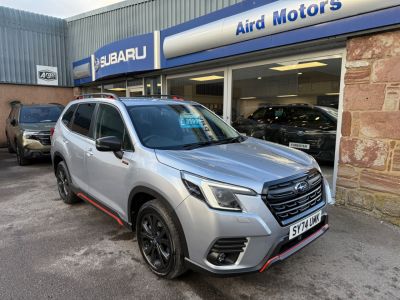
117 88
293 103
207 89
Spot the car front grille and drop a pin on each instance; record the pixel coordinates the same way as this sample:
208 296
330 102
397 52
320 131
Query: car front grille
43 137
289 202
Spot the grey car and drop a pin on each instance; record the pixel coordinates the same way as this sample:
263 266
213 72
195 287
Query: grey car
198 194
28 130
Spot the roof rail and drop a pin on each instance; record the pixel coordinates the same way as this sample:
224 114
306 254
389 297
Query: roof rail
173 97
98 95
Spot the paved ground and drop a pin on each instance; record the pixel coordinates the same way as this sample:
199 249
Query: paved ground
50 250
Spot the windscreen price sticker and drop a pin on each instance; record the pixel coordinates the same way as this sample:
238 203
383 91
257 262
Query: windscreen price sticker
190 121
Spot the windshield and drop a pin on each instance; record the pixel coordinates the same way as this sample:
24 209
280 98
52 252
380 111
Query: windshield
40 114
330 111
177 127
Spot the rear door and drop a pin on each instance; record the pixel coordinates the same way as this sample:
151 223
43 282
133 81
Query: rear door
110 176
80 143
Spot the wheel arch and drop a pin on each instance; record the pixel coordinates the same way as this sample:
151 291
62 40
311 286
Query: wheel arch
57 158
142 194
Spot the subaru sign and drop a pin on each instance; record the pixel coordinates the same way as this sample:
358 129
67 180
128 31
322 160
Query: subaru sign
269 19
46 75
139 53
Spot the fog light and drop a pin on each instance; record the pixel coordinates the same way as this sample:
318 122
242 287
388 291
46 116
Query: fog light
221 258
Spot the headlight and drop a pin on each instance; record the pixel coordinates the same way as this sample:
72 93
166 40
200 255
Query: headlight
30 135
216 194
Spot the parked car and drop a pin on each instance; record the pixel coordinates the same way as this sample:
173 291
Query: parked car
199 194
301 126
28 129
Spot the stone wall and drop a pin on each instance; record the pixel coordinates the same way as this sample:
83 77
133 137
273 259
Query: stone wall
29 94
369 167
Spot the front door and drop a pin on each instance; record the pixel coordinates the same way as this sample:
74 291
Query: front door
109 175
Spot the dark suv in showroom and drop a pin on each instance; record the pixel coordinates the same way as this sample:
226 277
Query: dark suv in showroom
28 130
300 126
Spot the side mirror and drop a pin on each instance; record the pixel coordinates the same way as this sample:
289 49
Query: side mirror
13 122
110 144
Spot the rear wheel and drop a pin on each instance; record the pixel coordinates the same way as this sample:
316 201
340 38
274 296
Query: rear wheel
64 184
159 240
21 159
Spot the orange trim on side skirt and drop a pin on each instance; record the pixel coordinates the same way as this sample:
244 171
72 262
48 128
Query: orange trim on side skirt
80 195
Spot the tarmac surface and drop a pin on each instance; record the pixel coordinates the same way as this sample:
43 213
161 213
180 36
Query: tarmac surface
54 251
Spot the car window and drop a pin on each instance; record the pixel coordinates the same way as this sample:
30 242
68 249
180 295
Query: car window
67 117
39 114
82 119
109 123
259 114
307 117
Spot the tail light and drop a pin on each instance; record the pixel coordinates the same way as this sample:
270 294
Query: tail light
52 132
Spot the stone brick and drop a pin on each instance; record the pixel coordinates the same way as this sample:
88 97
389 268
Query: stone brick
346 123
392 98
386 70
388 205
360 200
380 125
374 46
364 97
385 183
355 124
358 75
340 196
364 153
347 183
347 171
357 64
396 160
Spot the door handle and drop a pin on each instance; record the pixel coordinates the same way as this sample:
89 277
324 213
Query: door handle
89 152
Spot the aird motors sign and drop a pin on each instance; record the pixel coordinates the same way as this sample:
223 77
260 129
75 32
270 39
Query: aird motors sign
47 75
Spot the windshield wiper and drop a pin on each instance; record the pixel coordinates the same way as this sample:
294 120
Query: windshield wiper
234 140
197 145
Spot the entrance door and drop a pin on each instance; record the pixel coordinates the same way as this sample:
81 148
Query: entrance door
135 91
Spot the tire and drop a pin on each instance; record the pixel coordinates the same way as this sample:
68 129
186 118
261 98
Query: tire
159 240
64 184
21 159
9 146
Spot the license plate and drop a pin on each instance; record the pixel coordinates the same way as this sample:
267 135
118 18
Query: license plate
304 225
299 146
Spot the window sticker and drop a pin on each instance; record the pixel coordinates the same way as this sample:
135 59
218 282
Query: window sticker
189 121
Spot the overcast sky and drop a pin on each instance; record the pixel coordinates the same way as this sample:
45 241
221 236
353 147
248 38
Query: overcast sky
57 8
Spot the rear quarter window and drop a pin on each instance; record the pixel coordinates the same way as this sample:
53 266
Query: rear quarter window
67 117
82 118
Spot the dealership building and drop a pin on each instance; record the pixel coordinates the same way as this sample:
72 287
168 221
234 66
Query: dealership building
235 57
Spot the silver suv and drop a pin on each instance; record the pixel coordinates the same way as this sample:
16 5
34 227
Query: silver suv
200 195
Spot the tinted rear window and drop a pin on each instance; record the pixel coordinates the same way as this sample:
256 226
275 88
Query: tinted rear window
82 119
67 117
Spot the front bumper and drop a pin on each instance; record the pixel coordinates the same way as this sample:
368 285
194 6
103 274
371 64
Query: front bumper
268 241
34 148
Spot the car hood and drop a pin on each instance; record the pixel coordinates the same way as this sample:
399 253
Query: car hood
37 126
249 164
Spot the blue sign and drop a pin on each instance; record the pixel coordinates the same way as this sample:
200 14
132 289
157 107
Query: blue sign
125 56
81 71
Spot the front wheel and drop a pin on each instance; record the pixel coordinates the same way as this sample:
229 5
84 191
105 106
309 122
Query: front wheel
159 240
21 159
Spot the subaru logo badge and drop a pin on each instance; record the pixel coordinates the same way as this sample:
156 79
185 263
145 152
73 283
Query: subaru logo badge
301 187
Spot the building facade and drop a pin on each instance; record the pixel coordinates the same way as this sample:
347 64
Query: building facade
320 76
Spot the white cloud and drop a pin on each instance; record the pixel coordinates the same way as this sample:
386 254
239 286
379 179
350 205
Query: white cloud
57 8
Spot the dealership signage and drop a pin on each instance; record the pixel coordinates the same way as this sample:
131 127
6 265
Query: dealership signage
269 19
46 75
139 53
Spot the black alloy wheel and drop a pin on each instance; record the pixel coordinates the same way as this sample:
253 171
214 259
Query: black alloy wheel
159 240
62 183
156 242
